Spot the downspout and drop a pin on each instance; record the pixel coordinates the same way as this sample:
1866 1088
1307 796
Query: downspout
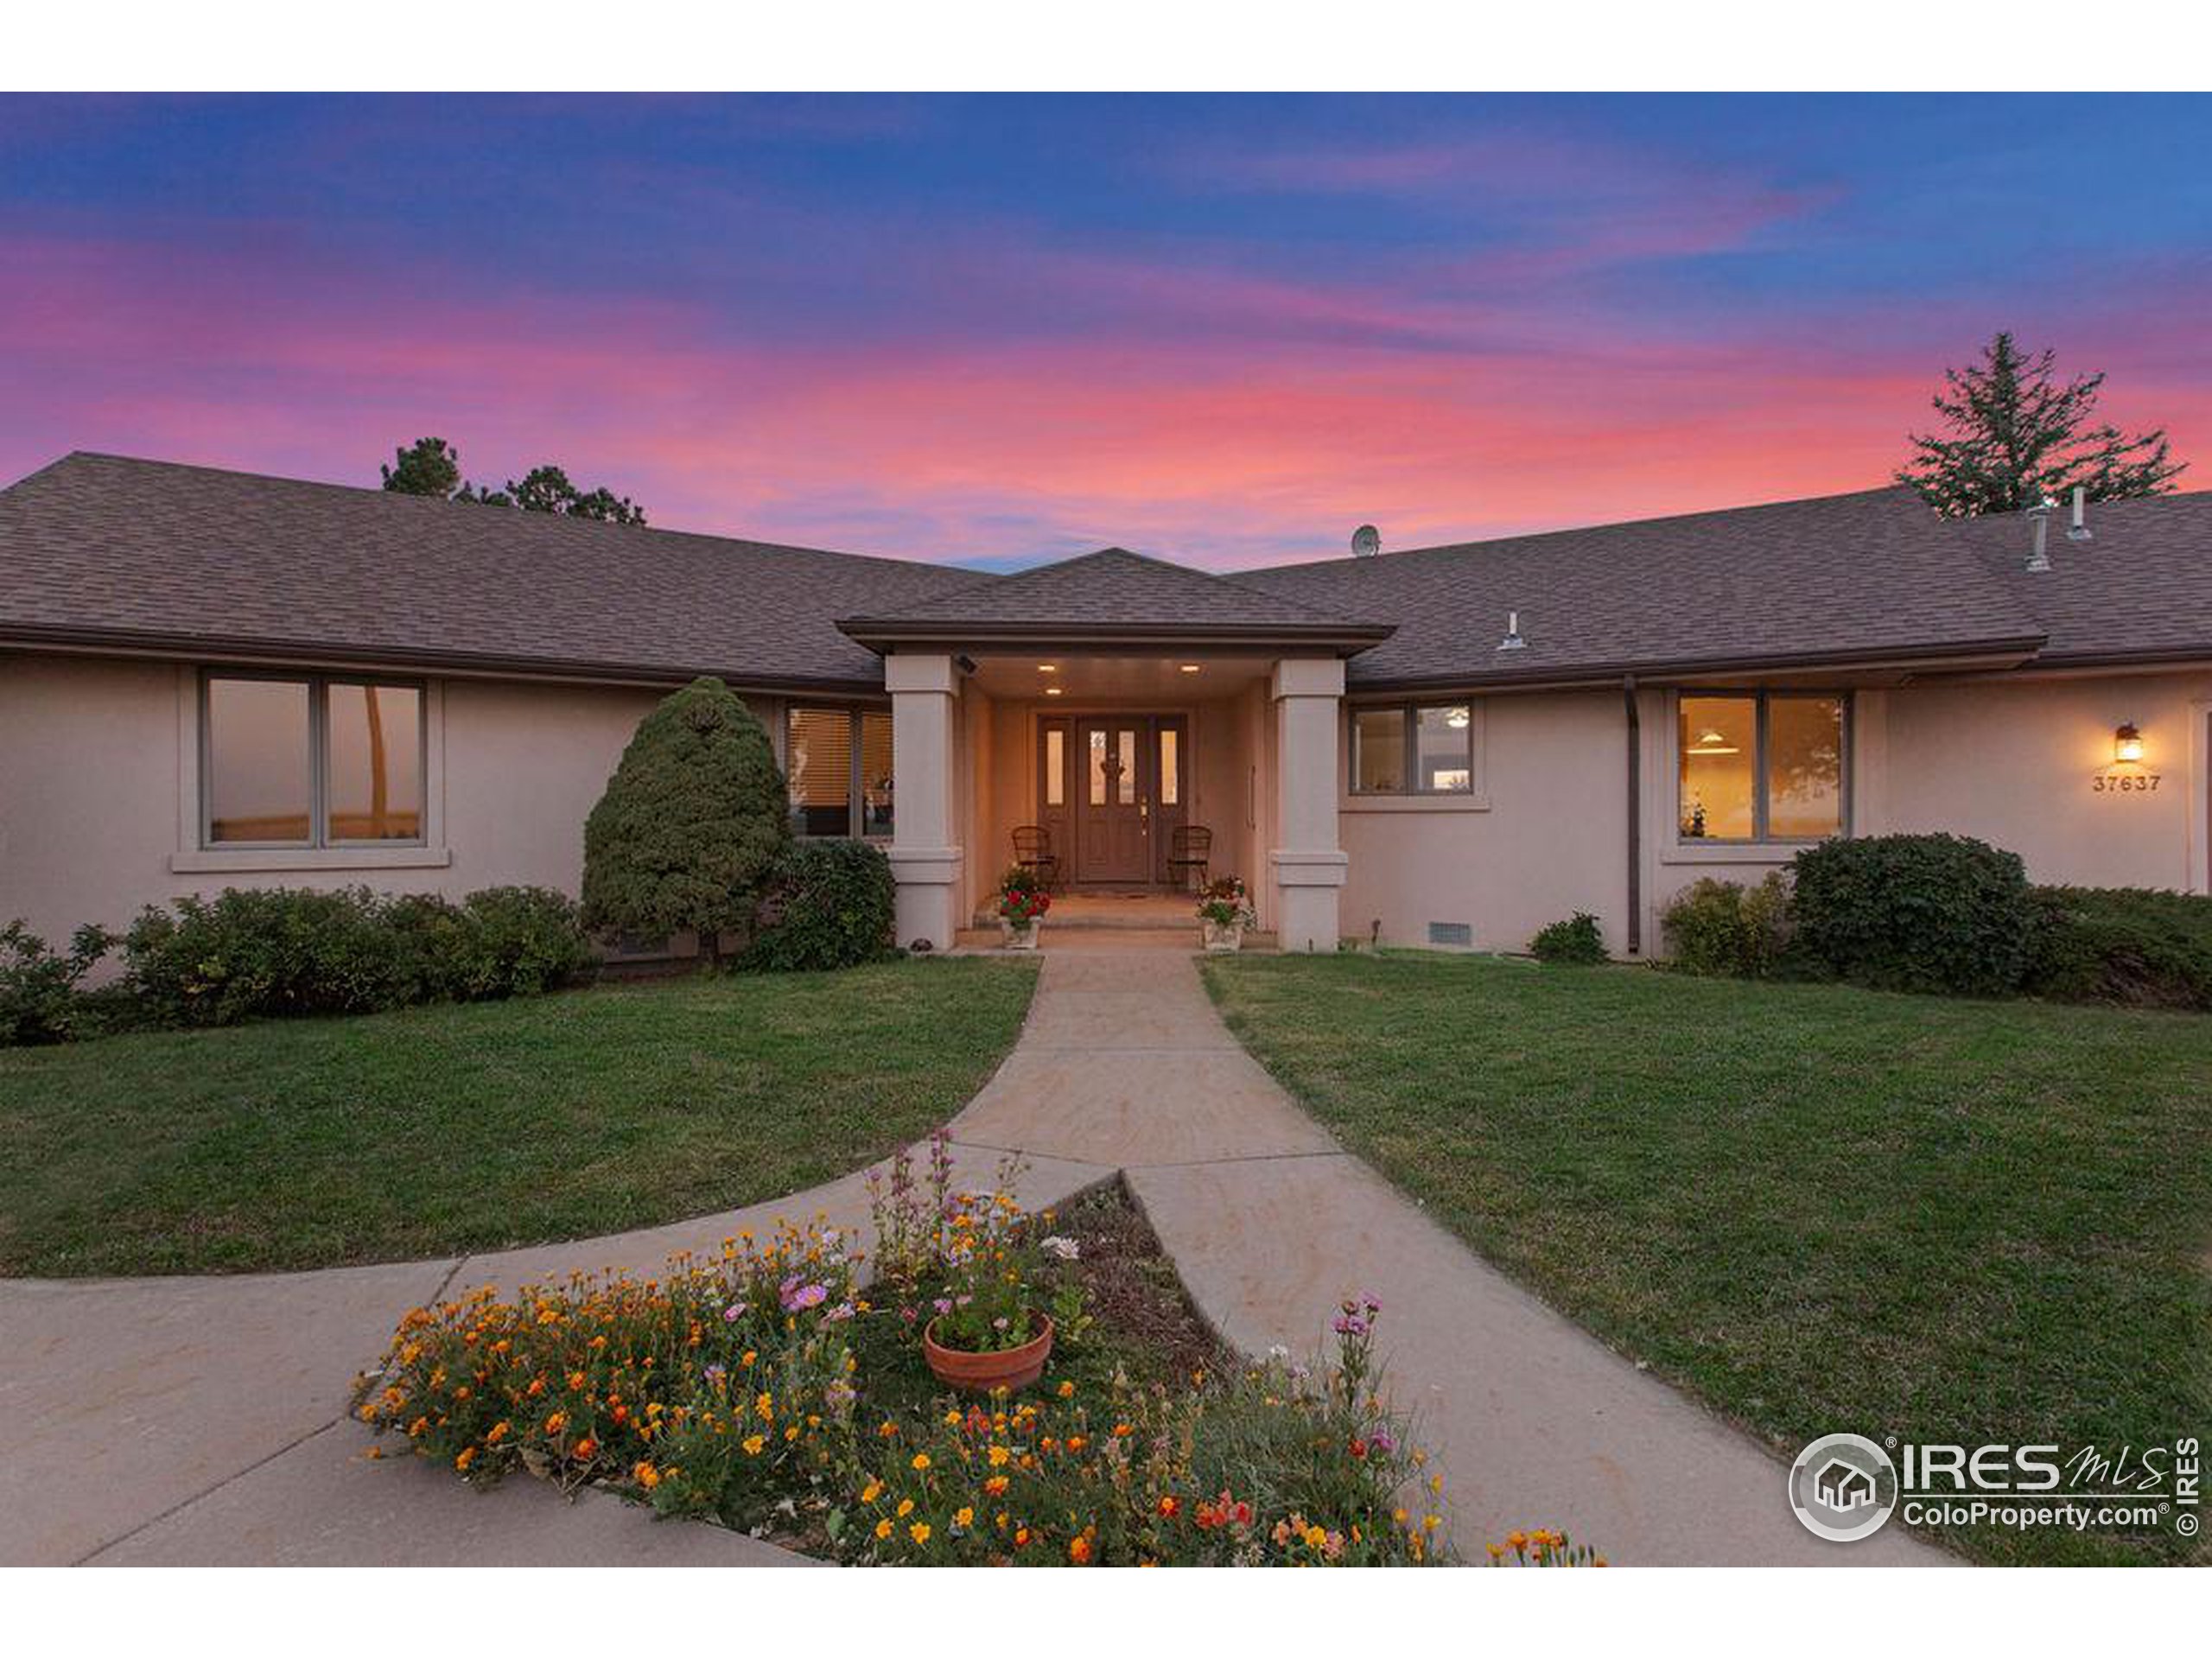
1635 817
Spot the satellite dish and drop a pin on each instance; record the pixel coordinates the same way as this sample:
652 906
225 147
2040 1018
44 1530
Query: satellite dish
1366 542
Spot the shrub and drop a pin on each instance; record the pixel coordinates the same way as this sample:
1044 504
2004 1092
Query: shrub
519 942
282 951
1936 913
214 962
1576 940
828 904
2122 945
39 999
1725 928
692 821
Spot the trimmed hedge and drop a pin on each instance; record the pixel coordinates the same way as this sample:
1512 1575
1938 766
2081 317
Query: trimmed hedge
276 952
828 904
2122 945
1724 928
1937 912
1574 940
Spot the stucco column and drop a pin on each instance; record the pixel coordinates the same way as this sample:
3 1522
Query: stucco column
925 849
1307 866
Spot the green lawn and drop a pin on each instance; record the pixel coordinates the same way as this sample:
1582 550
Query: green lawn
310 1143
1818 1208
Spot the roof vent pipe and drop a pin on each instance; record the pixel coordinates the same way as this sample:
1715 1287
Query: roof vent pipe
2079 531
2039 516
1513 641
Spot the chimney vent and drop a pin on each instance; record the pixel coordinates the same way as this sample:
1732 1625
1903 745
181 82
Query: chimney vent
2079 531
1513 641
2039 516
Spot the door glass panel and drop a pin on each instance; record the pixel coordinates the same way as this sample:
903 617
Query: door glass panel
1171 784
1097 768
1126 774
375 760
258 783
1056 767
1716 743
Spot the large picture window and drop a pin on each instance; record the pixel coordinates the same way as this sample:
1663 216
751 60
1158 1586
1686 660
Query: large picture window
1413 749
837 767
310 760
1765 765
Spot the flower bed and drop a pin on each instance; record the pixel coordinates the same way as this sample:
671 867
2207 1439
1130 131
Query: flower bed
766 1388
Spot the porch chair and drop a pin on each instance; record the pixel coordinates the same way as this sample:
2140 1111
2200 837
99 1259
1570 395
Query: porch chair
1189 848
1032 851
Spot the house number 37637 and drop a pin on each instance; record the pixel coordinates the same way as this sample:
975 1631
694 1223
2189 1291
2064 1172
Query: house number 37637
2125 783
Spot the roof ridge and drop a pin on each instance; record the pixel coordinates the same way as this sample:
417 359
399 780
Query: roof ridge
592 525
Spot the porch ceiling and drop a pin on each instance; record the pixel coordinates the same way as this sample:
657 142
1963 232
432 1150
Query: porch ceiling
1091 679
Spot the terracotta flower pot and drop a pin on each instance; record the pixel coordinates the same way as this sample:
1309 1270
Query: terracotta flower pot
1009 1369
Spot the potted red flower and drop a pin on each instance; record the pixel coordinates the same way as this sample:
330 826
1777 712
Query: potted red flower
1224 911
1022 903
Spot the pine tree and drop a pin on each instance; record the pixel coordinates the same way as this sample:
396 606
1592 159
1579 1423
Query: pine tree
2016 437
691 822
428 467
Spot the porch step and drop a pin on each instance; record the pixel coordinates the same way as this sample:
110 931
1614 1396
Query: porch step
1080 938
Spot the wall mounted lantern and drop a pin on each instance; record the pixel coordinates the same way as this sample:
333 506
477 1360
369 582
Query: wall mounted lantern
2127 745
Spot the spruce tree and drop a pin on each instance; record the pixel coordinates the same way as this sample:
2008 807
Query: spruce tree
2016 436
691 822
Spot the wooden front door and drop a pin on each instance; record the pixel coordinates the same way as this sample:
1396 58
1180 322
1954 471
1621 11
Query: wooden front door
1124 784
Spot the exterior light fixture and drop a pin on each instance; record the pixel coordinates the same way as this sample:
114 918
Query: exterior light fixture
2127 745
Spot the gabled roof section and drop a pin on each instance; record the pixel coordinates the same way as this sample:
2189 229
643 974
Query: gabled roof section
106 550
1836 579
1113 595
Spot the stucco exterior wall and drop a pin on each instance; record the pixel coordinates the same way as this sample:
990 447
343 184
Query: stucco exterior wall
98 758
1542 834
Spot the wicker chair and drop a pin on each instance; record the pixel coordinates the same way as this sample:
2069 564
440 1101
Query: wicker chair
1032 851
1189 848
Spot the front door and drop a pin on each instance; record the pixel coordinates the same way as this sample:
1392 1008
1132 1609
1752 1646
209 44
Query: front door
1113 799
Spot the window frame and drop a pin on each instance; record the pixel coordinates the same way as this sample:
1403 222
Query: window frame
1762 698
318 683
1409 713
856 768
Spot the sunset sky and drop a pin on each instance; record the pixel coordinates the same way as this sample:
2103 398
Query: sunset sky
1225 330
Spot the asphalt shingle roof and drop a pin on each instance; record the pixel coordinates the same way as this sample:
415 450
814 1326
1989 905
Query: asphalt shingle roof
1108 590
1863 574
178 556
100 549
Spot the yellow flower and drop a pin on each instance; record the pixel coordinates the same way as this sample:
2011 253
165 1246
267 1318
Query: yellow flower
1067 1388
919 1532
467 1456
1000 1457
921 1459
869 1493
906 1508
752 1444
883 1527
963 1516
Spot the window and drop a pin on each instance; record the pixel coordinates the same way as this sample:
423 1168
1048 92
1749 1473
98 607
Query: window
1762 767
837 768
1414 750
310 761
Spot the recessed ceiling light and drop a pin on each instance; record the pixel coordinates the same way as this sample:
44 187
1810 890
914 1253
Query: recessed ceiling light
1190 668
1052 690
1048 668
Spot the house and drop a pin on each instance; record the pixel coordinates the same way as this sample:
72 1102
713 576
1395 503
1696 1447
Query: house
1844 1487
211 679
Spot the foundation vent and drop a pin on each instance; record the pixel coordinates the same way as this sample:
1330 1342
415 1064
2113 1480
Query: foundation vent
1458 934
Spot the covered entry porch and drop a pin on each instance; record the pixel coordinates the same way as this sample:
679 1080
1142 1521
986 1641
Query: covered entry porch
1078 715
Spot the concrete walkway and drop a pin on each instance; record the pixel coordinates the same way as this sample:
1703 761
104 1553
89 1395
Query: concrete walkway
202 1420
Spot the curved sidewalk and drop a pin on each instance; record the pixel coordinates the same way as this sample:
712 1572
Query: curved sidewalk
203 1420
